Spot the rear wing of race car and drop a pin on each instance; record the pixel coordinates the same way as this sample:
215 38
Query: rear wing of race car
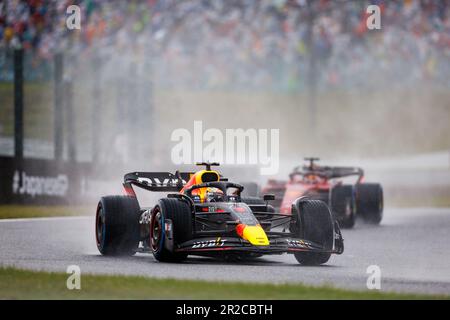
156 181
341 172
327 172
331 172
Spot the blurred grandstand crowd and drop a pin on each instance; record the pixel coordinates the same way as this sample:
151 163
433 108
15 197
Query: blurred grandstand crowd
242 44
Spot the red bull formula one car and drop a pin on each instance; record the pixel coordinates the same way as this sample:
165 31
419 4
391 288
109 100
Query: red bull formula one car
205 215
325 183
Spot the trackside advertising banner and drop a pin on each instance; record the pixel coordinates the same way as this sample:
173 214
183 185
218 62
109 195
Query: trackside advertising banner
36 181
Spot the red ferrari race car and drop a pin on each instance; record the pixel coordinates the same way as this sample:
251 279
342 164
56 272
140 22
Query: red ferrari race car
205 215
325 183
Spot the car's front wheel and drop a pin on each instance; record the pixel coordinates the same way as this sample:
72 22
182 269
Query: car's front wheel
179 213
313 221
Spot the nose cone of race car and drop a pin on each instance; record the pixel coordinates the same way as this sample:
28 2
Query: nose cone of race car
253 234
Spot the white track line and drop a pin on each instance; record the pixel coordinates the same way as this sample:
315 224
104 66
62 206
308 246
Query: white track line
43 219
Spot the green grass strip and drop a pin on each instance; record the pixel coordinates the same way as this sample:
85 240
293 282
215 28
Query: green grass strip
34 211
21 284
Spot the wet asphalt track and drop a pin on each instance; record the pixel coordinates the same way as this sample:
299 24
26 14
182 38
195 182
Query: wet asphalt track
411 246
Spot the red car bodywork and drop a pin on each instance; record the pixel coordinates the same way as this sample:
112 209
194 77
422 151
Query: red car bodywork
313 181
298 187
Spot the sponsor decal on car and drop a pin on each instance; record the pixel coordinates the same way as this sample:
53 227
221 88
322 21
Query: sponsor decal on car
219 242
162 182
296 243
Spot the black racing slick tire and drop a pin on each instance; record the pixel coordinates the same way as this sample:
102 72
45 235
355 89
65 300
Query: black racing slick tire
343 205
313 221
369 202
179 213
117 225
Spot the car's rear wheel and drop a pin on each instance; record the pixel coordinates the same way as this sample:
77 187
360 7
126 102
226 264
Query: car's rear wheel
117 225
179 213
313 221
343 205
369 202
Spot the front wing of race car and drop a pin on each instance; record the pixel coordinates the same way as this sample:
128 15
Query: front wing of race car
279 245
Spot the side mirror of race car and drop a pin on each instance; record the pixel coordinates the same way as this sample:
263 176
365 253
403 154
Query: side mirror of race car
269 197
